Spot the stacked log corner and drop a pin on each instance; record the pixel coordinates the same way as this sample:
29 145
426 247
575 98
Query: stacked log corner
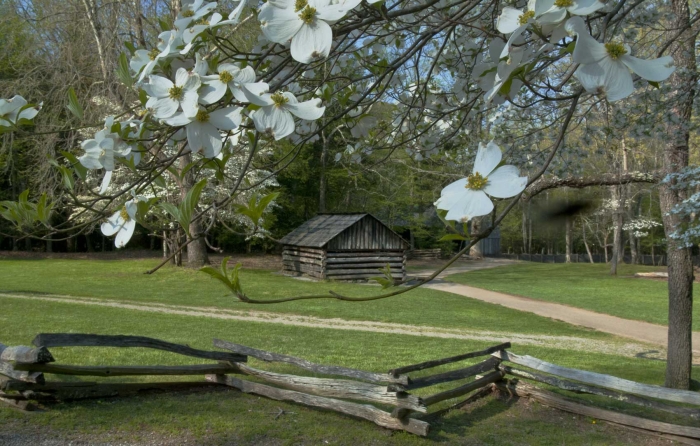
309 261
343 265
364 265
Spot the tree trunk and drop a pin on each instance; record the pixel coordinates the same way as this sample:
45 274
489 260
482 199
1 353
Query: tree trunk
585 242
618 244
524 206
165 244
568 239
475 250
322 175
197 255
680 266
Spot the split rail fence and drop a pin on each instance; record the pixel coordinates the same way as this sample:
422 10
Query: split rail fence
394 404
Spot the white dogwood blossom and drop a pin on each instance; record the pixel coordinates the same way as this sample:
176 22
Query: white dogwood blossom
605 68
167 97
274 118
15 110
303 22
100 153
468 198
232 77
122 223
203 128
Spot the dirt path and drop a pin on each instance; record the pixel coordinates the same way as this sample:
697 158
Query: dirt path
561 342
636 330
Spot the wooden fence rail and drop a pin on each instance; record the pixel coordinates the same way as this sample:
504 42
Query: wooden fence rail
22 383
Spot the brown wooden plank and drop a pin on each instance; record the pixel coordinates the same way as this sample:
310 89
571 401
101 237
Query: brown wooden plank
437 362
346 272
26 354
91 340
366 259
464 389
601 380
59 369
338 388
583 388
364 411
307 365
355 254
557 402
79 391
454 375
396 276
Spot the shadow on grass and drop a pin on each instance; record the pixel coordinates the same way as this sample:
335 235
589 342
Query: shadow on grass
460 421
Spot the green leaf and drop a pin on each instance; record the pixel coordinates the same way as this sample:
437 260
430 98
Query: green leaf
171 209
570 47
449 237
143 97
654 84
68 179
80 170
188 205
159 181
216 274
130 46
123 71
73 104
165 26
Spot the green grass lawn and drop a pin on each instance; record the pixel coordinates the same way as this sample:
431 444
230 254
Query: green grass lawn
584 286
233 418
125 280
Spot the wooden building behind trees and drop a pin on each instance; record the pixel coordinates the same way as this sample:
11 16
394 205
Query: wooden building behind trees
344 247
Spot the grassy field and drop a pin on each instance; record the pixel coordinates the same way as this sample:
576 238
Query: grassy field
124 280
584 286
229 417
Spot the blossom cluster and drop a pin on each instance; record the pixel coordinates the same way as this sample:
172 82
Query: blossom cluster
16 111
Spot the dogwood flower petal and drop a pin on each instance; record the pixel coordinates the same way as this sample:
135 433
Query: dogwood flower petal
228 118
105 181
204 137
487 158
509 20
474 203
505 182
125 234
312 41
274 121
309 110
653 70
279 25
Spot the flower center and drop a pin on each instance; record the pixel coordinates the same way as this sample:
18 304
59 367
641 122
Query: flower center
124 214
153 53
308 15
188 13
176 93
476 182
225 77
300 4
615 50
202 116
279 99
526 16
564 3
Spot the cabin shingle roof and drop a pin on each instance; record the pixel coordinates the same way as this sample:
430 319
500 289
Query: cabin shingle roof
321 229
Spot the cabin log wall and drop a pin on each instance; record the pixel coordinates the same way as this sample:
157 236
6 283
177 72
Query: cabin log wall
357 252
